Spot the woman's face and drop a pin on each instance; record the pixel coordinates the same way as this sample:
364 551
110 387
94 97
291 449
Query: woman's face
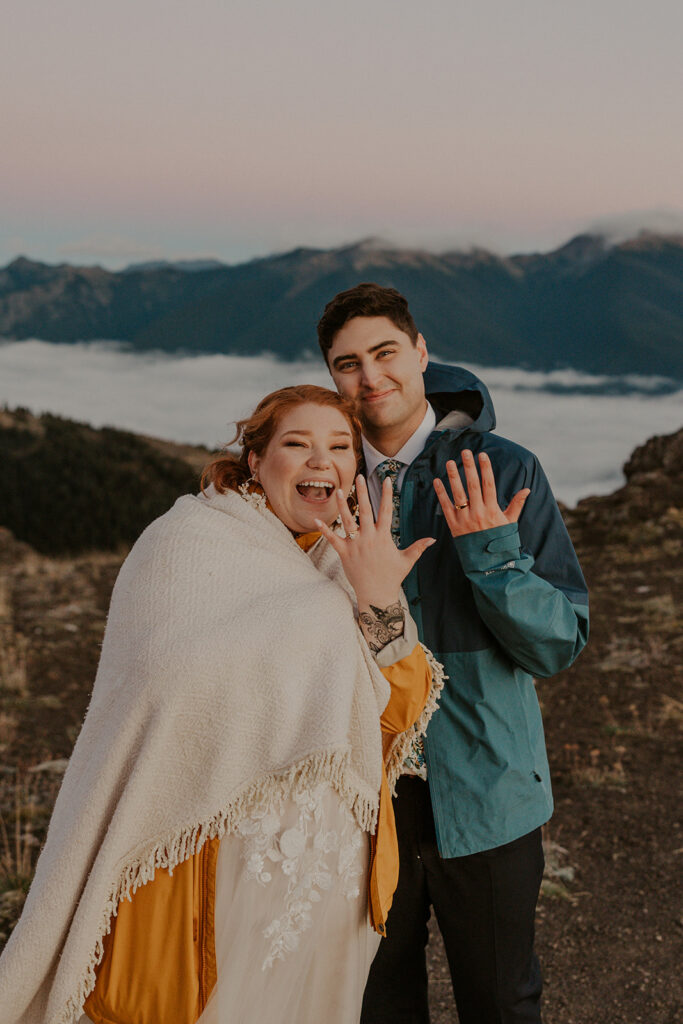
309 456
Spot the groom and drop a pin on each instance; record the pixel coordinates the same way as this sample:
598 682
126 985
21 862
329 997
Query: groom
499 598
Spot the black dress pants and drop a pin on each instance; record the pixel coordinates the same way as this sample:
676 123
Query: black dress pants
485 906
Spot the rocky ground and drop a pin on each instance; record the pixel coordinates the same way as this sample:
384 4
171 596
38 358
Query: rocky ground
610 920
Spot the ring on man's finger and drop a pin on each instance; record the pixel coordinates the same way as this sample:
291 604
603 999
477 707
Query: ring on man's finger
460 507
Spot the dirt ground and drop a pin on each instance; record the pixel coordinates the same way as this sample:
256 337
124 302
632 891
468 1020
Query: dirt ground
610 920
610 924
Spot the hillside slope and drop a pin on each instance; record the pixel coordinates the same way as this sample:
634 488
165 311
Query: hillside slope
609 924
66 488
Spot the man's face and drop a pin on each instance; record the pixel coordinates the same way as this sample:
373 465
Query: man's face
376 365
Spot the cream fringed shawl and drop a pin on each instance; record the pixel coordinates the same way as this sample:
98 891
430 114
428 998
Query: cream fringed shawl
231 664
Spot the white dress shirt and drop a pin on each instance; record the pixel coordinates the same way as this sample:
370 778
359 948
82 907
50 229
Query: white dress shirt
410 451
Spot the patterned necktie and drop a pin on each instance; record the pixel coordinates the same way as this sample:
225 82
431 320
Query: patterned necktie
414 763
391 468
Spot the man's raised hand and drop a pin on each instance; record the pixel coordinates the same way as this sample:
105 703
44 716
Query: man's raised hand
477 507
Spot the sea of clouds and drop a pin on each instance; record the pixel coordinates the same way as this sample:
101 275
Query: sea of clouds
582 427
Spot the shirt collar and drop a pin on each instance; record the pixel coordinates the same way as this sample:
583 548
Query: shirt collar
410 450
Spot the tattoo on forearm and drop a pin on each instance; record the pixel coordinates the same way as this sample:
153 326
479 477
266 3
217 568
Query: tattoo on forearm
382 625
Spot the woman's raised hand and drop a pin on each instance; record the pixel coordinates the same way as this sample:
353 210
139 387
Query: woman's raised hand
374 566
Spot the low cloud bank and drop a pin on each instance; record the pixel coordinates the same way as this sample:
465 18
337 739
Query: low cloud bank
583 428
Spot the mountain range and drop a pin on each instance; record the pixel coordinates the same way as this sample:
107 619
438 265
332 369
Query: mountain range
589 305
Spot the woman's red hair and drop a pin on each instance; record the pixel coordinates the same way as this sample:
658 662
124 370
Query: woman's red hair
228 471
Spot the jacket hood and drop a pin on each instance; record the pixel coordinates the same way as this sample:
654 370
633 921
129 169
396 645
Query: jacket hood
454 389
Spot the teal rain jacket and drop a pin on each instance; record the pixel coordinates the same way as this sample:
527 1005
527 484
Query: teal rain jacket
497 608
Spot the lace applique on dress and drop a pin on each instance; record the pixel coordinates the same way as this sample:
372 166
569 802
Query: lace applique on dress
312 857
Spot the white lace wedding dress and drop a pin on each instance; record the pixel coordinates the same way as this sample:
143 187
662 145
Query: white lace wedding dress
293 938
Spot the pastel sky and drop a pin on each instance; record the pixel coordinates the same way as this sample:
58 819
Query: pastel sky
154 128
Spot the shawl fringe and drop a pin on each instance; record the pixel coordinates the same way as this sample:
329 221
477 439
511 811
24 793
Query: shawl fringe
331 766
405 740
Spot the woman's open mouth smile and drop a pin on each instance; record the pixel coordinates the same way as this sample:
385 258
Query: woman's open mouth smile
315 491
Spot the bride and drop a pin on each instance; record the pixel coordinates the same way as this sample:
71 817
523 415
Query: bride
223 848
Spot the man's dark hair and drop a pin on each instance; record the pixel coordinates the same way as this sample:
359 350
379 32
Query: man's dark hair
366 299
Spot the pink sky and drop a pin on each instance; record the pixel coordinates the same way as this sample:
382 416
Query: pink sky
136 130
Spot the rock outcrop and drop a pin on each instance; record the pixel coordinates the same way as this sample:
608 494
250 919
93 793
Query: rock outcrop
651 500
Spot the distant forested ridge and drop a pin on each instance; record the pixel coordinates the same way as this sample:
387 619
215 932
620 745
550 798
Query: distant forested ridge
67 488
589 305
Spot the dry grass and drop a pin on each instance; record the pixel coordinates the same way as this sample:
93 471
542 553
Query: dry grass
661 616
623 655
558 873
602 768
634 725
13 646
18 850
671 710
8 730
13 661
18 842
26 801
5 600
